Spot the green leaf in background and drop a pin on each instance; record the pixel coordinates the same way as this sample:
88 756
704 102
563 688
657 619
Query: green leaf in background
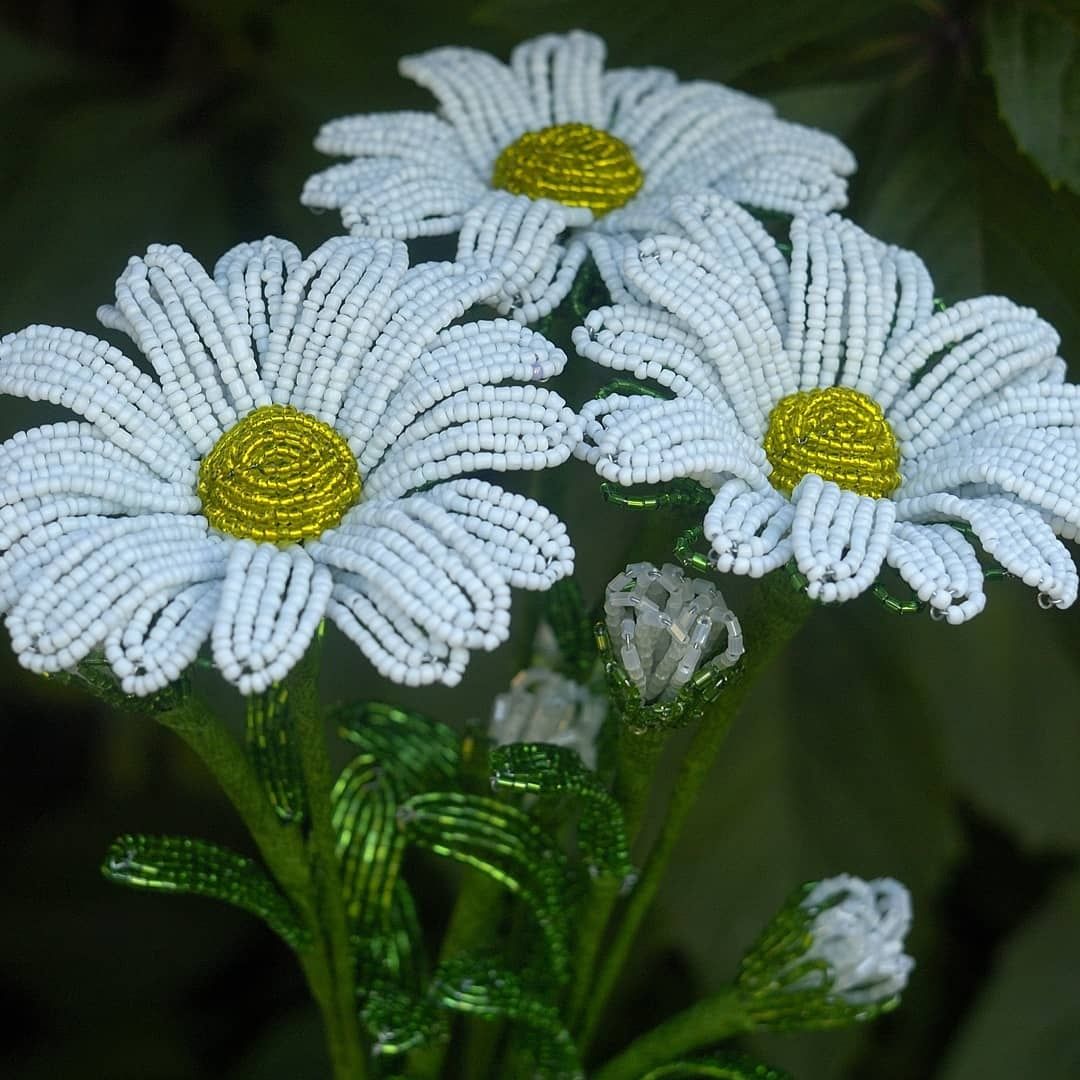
1033 54
731 38
180 864
1027 1021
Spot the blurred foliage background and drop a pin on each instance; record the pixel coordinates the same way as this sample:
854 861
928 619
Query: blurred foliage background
883 745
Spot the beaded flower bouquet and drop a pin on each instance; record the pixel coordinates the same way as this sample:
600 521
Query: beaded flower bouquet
651 284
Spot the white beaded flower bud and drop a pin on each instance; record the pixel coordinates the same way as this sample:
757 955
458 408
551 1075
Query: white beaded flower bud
664 626
542 706
833 955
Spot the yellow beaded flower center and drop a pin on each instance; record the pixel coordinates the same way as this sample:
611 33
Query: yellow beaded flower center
574 164
279 476
837 433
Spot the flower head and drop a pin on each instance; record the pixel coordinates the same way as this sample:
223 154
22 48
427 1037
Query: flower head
300 454
521 151
666 625
542 706
834 954
841 421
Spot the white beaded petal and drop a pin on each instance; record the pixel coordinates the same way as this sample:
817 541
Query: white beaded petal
333 307
563 76
940 567
749 529
649 344
162 637
462 356
402 200
516 238
728 314
252 276
95 380
271 604
645 440
184 325
839 538
524 539
429 297
91 582
413 588
1014 535
487 105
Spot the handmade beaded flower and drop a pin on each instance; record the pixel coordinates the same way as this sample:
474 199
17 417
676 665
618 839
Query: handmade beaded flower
840 420
300 455
602 151
833 954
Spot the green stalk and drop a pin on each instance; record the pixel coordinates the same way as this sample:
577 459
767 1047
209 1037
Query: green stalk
709 1021
338 977
774 615
287 857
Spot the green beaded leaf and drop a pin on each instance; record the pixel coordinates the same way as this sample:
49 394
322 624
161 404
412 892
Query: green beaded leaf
564 609
180 864
503 842
704 687
771 971
399 1021
420 752
370 847
722 1066
93 675
273 752
558 770
480 987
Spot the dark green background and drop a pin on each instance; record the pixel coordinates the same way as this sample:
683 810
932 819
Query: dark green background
883 745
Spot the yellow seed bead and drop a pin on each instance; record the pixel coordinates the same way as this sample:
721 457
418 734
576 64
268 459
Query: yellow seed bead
838 433
279 476
573 164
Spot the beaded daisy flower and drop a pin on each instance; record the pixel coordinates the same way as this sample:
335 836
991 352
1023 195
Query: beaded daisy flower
299 455
522 151
840 419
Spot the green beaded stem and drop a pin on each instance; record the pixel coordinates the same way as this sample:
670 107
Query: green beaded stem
181 864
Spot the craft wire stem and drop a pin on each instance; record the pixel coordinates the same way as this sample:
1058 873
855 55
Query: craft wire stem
281 846
716 1018
338 1001
773 617
479 905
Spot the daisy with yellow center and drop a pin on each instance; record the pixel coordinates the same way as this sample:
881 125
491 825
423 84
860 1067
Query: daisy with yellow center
842 423
302 453
519 153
